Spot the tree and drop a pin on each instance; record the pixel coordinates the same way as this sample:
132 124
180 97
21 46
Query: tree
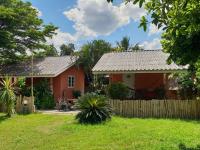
180 21
7 95
90 53
67 49
49 51
21 30
136 47
124 45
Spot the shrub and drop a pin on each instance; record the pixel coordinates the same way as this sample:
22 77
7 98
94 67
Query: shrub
76 93
94 109
160 93
43 95
118 91
22 89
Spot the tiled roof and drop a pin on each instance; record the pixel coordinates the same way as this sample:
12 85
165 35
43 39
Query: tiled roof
48 66
139 61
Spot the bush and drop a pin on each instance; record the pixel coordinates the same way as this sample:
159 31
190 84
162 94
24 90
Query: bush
160 93
94 109
43 95
22 89
118 91
76 93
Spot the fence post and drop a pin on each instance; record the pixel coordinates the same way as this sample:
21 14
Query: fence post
120 104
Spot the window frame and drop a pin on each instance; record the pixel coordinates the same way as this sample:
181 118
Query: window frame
72 83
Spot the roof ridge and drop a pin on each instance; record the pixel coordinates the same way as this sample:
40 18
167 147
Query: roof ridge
59 56
149 50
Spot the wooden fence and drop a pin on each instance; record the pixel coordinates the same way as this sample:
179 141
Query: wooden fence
20 106
185 109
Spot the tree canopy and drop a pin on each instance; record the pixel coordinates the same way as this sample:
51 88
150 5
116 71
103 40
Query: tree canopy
67 49
21 30
90 53
180 21
49 51
125 45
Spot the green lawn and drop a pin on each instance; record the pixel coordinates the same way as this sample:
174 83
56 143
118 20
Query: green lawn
48 132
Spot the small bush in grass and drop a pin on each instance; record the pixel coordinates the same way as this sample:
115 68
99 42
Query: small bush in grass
118 91
94 109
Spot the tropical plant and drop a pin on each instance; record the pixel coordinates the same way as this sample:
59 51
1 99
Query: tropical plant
7 95
118 91
125 45
94 109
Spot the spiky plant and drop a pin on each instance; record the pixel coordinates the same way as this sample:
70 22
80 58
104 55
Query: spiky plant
7 95
94 109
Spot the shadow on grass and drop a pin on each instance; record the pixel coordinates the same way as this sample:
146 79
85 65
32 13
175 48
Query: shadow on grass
196 121
184 147
3 118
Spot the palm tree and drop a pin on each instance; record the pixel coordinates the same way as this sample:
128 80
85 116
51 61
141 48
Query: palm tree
124 44
7 95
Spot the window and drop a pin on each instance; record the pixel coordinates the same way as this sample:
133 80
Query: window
71 81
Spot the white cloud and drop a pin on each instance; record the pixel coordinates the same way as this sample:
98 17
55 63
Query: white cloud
61 38
38 11
97 17
153 29
150 45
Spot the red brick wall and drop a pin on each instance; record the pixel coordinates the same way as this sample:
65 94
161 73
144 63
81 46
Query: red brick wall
60 83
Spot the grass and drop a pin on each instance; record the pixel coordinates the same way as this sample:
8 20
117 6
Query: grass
37 131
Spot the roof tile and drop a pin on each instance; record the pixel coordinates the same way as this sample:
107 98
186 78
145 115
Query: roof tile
153 60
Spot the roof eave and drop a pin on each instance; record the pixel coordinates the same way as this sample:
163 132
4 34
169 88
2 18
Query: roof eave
139 71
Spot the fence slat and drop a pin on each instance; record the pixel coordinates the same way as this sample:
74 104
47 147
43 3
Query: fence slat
187 109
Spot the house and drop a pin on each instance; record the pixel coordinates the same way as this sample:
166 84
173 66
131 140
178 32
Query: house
143 71
63 74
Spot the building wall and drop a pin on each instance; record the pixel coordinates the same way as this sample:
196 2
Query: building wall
116 78
142 80
149 80
60 83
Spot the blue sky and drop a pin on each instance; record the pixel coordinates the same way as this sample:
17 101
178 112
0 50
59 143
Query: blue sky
80 21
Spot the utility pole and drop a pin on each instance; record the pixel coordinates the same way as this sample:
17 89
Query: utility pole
32 74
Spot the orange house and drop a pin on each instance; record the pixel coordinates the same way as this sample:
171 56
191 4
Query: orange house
143 72
63 74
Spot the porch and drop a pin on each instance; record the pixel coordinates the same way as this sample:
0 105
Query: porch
147 86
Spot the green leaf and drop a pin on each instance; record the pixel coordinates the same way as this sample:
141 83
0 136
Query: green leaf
143 23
